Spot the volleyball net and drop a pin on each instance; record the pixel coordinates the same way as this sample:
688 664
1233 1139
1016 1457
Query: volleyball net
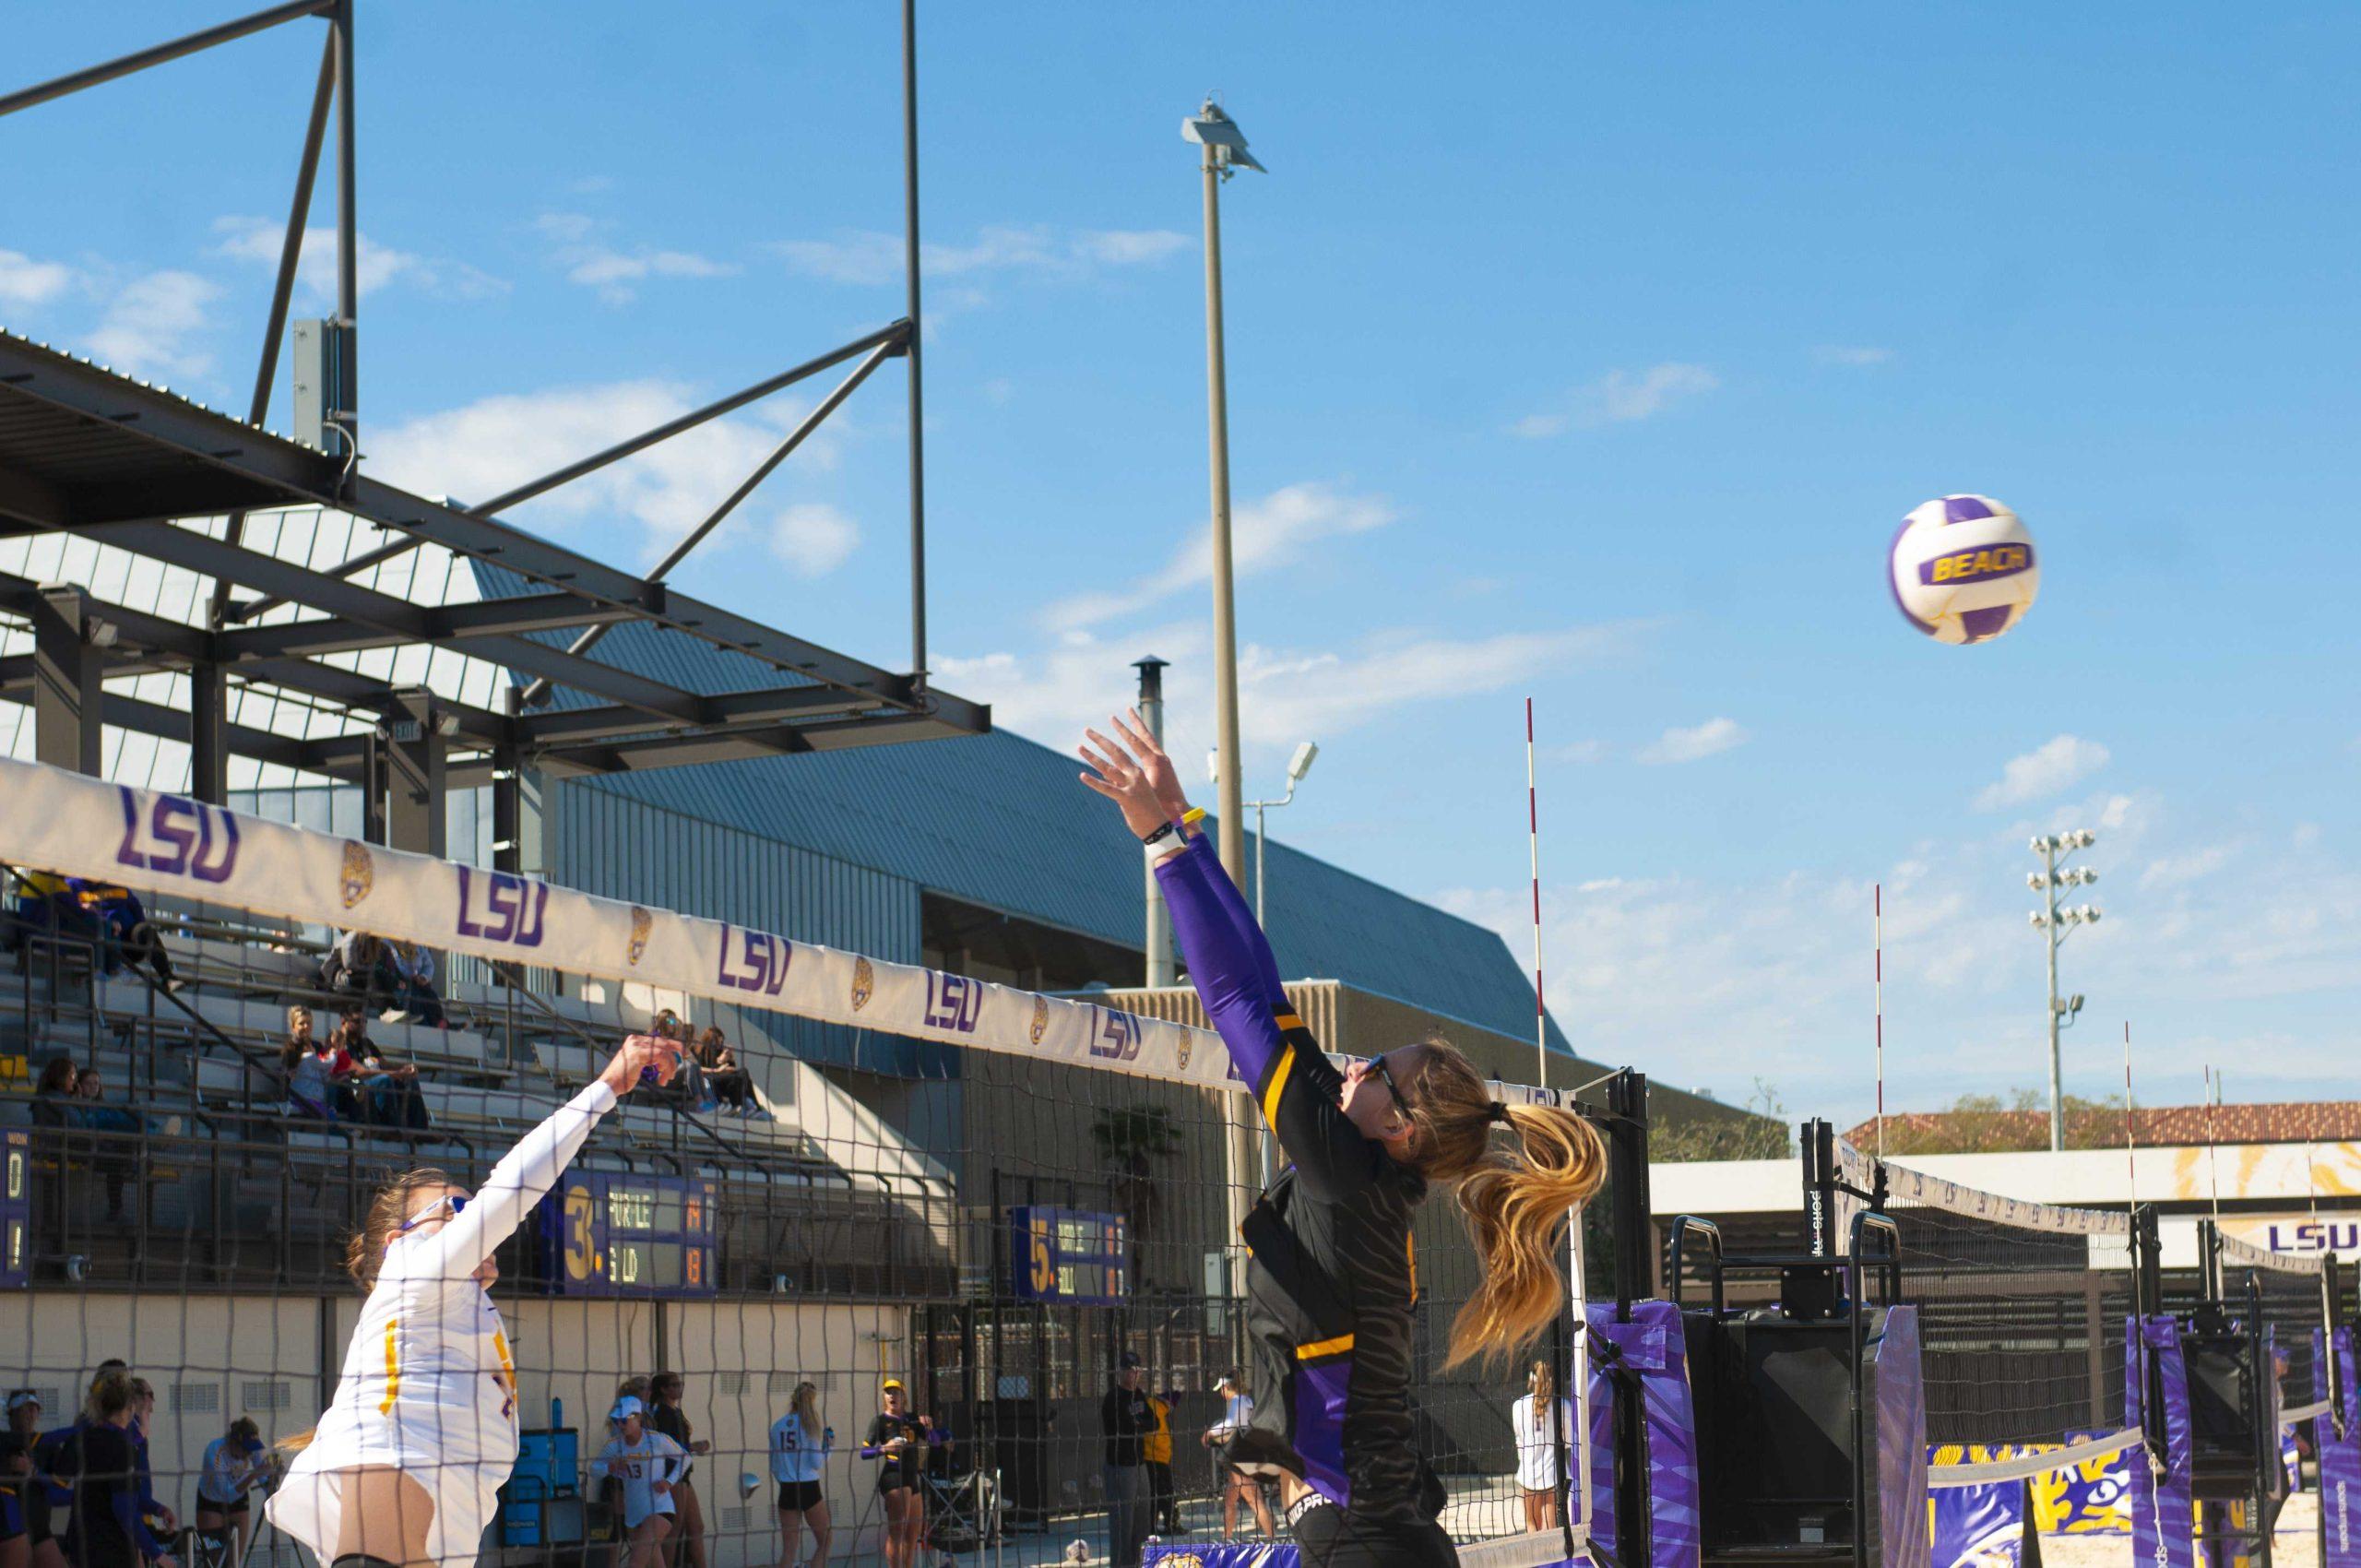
994 1196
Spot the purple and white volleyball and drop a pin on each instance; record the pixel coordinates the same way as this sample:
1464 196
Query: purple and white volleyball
1963 569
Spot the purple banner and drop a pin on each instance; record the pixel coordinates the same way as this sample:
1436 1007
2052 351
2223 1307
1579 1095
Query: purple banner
1979 1526
2162 1523
1902 1440
1650 1346
2340 1452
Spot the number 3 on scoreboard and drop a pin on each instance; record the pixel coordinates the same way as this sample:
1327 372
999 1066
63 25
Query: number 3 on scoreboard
580 1258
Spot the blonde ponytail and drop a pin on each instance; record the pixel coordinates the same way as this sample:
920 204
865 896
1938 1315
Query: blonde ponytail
1517 1202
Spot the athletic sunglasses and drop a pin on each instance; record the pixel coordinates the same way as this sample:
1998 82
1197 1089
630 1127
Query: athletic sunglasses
456 1206
1385 1075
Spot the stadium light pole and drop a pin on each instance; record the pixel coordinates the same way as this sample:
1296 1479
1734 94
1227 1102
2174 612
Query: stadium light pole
2054 923
1224 153
1298 765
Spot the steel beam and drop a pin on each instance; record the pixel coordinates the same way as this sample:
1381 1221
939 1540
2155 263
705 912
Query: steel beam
282 288
571 726
456 622
59 86
680 751
66 714
415 754
690 421
208 733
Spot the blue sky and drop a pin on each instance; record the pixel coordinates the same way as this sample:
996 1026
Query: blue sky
1590 352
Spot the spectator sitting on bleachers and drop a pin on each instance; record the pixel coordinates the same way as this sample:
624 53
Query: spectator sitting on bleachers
117 913
46 907
56 1101
725 1079
414 993
393 1097
112 1160
314 1069
361 965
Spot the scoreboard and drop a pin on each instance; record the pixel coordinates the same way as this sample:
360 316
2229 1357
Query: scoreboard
1068 1255
15 1209
604 1233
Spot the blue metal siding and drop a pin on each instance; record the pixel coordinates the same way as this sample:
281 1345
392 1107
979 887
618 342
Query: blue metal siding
619 848
1000 822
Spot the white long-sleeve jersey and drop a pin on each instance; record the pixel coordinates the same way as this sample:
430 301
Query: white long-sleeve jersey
429 1386
653 1458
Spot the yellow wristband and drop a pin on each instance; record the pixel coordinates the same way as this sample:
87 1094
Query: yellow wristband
1193 816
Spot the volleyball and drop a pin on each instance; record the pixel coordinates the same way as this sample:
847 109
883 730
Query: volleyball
1963 569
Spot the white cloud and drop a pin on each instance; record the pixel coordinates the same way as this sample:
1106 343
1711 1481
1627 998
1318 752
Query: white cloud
1582 752
867 256
493 444
609 271
1697 740
814 538
260 240
1130 247
2171 870
1855 358
2055 765
1285 695
1678 972
1264 533
1621 397
146 328
24 281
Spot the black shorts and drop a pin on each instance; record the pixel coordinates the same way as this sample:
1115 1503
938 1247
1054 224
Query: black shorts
799 1497
226 1510
891 1478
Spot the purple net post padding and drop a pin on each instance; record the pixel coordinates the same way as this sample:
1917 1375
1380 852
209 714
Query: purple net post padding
2339 1452
1651 1345
2163 1530
1979 1526
1225 1554
1902 1440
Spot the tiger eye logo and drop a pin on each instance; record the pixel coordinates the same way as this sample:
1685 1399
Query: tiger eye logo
1188 1043
1040 1018
864 983
359 873
642 922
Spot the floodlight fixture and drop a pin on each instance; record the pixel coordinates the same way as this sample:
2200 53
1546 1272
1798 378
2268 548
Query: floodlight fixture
1224 143
1301 764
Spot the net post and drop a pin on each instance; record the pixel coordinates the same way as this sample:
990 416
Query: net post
2208 1260
2147 1262
1819 1142
1627 1147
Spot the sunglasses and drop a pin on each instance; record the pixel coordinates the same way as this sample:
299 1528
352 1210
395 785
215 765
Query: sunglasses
1385 1075
457 1207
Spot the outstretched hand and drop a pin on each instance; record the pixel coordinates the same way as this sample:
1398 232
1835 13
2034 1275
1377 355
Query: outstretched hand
639 1055
1134 774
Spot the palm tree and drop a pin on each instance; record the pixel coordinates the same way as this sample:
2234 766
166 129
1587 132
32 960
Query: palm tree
1130 1140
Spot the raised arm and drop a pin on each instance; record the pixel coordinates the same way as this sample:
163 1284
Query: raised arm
525 1175
1231 967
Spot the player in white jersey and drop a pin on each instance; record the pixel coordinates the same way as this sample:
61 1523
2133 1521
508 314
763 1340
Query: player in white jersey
1539 1473
404 1468
1236 1410
647 1463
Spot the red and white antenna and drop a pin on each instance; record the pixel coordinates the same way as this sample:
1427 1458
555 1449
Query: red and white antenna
1533 831
1877 917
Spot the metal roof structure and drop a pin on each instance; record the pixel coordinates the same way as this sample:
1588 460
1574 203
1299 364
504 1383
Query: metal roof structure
135 467
1000 822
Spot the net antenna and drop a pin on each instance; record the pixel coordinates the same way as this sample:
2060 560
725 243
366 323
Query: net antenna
1877 917
2131 1135
1533 836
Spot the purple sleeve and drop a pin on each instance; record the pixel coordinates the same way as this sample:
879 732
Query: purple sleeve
1292 1080
1229 962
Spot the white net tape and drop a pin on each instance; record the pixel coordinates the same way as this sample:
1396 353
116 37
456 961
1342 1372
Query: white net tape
1906 1186
2246 1254
2018 1466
